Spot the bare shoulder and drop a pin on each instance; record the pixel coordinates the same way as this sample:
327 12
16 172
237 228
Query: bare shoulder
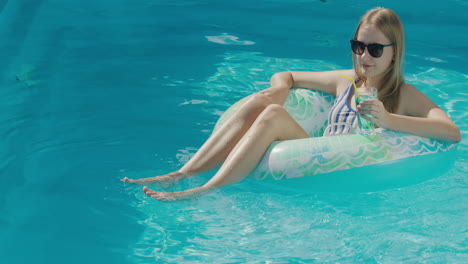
413 102
409 89
408 93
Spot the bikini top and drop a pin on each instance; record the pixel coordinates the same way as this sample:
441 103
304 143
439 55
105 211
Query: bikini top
342 118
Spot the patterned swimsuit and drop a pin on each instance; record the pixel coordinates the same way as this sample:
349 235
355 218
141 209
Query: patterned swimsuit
342 118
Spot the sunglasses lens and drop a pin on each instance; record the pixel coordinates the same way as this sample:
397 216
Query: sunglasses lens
375 50
357 47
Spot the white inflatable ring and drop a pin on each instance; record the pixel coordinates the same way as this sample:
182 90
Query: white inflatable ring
382 160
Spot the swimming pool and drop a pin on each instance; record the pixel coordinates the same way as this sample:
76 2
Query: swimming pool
93 91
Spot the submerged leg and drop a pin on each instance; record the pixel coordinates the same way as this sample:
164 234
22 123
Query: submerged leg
218 146
272 125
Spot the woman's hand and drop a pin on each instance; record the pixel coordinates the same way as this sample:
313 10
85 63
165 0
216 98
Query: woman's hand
375 108
421 117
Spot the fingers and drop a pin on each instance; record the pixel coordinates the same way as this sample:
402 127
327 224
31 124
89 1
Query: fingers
368 104
373 119
374 111
371 101
370 107
369 112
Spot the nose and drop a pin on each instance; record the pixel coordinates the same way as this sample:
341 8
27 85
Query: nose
365 55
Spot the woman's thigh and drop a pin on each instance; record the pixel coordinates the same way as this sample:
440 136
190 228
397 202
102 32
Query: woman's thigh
279 124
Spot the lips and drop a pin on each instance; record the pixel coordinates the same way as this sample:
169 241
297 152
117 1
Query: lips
366 66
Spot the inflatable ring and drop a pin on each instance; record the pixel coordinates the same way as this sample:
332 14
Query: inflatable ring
352 162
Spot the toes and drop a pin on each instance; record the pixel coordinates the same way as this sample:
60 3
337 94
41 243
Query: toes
161 196
157 195
126 179
148 191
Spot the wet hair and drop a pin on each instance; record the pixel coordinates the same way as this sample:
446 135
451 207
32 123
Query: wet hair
390 25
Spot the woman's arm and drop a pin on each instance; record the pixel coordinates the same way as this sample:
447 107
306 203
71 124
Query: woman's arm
326 81
416 115
436 125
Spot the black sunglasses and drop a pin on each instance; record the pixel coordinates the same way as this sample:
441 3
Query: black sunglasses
375 49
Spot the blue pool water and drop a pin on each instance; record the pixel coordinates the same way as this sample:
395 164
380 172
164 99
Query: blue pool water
94 91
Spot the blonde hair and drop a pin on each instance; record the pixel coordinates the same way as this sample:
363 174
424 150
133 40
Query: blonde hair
390 25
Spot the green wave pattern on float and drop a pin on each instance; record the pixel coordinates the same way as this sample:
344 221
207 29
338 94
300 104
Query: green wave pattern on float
318 157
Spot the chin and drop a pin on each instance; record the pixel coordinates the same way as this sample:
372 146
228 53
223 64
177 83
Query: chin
368 73
365 73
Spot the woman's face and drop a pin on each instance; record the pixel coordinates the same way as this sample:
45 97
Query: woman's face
374 67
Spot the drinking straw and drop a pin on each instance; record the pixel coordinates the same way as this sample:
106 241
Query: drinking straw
354 84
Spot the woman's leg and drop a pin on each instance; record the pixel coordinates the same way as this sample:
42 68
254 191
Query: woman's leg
218 146
272 125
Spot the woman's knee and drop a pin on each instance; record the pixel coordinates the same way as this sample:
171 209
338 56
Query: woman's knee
272 113
260 100
275 109
254 105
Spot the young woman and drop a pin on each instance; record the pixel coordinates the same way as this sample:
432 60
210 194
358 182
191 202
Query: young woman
378 48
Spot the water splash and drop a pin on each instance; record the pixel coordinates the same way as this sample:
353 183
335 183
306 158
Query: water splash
226 39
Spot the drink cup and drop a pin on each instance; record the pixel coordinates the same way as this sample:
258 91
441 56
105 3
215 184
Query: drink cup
363 94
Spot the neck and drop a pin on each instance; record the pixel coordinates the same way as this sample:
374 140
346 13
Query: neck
372 82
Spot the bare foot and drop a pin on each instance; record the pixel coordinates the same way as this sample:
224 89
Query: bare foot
174 196
164 181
